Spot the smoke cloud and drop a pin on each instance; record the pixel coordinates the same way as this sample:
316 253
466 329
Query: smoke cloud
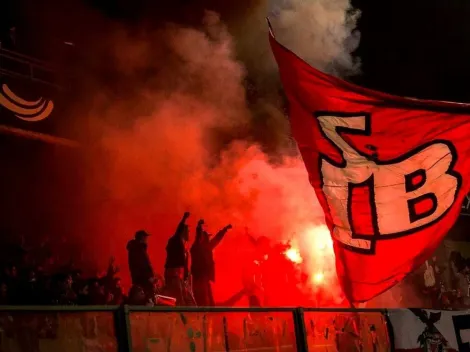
177 139
322 32
181 118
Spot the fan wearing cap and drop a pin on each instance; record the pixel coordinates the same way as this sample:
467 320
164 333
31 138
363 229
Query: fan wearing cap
139 262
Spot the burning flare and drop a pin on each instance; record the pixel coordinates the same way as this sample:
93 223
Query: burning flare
293 254
317 255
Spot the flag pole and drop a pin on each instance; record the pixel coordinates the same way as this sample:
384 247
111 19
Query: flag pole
270 27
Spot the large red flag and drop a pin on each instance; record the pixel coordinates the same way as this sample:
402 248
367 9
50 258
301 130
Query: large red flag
389 172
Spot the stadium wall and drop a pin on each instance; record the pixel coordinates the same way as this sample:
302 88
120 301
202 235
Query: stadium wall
190 329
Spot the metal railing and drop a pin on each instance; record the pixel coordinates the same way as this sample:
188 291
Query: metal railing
17 65
124 322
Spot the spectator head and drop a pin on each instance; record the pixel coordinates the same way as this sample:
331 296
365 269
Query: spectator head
142 236
201 226
137 295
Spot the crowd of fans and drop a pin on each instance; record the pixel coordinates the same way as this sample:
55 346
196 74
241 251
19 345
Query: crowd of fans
33 277
24 283
441 283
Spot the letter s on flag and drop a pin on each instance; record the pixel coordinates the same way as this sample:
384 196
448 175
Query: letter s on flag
390 173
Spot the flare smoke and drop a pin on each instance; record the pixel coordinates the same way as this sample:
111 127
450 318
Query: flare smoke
322 32
170 127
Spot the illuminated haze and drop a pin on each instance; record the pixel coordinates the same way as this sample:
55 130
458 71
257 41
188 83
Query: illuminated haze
176 130
321 32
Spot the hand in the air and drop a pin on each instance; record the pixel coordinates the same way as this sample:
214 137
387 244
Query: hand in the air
200 222
186 214
228 227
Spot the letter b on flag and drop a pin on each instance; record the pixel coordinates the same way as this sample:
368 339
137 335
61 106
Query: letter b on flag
403 194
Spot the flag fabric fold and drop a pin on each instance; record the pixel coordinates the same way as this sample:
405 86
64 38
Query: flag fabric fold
390 173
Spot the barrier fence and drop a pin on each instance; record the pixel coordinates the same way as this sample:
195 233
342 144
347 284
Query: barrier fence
17 65
162 329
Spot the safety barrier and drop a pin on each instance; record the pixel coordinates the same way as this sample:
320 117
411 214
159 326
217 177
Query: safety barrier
165 329
17 65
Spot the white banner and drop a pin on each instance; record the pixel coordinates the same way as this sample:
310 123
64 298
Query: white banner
430 330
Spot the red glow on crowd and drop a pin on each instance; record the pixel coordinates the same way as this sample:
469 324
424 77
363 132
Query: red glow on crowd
241 187
311 255
319 250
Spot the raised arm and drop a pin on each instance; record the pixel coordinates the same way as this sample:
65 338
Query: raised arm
219 236
180 227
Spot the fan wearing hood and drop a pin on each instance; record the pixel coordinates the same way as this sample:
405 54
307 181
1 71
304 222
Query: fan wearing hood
203 265
142 273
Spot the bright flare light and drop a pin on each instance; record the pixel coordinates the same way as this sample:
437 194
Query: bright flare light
318 278
293 255
319 257
323 241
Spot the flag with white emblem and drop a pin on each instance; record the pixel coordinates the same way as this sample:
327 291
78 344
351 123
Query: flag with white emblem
390 173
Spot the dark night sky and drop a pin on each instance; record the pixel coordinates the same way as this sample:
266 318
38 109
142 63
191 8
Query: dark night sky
416 48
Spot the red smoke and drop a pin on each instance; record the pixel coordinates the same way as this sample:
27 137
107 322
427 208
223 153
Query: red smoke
171 130
161 152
